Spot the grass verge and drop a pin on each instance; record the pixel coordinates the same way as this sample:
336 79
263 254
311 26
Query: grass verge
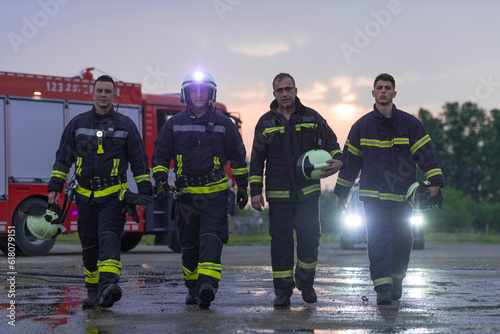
265 240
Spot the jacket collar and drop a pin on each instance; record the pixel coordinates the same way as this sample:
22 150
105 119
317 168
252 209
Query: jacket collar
191 114
299 107
109 114
379 115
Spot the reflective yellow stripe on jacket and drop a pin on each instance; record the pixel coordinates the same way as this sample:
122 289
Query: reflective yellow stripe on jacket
382 196
278 194
256 179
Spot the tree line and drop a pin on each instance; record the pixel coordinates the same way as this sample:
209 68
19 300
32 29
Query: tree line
466 140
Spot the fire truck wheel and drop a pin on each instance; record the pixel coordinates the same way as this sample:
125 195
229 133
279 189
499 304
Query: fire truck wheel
4 245
130 240
26 243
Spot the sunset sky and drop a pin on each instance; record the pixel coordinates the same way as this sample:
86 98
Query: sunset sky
438 51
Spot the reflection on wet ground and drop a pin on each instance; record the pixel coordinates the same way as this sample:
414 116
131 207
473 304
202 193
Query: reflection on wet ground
434 301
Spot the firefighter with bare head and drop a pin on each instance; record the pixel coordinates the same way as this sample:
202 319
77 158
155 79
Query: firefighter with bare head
101 143
200 141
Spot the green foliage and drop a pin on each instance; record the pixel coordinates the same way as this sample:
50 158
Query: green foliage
255 239
465 137
457 215
463 237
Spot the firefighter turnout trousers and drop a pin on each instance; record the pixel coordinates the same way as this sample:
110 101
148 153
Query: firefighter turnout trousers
284 218
203 229
100 227
389 240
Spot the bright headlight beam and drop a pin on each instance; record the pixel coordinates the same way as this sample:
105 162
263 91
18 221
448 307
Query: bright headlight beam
417 220
353 220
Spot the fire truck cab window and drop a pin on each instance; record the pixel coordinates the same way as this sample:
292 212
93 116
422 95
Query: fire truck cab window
162 115
3 148
35 132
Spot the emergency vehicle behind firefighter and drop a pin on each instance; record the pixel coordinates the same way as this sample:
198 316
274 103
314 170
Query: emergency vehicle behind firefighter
200 141
101 143
386 145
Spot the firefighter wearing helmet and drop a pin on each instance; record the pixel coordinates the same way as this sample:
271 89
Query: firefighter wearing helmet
101 143
200 141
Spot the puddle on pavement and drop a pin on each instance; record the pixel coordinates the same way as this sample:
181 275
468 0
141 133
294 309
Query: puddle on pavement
153 297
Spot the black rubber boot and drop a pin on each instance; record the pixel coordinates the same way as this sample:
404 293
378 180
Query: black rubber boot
110 295
207 295
192 298
309 295
397 289
282 300
92 299
384 297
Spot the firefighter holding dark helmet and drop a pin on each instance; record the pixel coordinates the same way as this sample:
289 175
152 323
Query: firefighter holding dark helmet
200 140
101 143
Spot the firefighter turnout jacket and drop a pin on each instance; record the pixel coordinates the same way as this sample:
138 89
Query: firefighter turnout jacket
101 147
387 151
200 148
278 144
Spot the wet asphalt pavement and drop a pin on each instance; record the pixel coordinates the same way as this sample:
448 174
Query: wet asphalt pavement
450 288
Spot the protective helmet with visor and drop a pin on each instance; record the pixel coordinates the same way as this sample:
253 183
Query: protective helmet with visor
43 222
309 164
198 79
419 197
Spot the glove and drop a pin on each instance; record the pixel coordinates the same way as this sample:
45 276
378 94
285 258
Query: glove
132 212
438 201
162 190
137 199
242 197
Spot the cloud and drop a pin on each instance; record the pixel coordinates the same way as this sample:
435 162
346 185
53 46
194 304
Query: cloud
315 93
343 83
364 82
266 49
249 94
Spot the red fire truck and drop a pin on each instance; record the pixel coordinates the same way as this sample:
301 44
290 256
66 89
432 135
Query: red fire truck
34 109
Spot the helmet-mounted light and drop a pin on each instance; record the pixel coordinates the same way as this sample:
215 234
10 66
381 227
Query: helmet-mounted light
198 78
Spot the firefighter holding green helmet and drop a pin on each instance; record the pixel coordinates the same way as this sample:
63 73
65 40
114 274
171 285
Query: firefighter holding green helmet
296 147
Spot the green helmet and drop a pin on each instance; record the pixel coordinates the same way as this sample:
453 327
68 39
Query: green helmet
310 164
40 224
419 197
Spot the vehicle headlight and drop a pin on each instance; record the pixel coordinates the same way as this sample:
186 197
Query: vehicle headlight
353 221
417 220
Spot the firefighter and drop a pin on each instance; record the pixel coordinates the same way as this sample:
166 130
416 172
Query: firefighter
282 136
386 145
200 140
101 143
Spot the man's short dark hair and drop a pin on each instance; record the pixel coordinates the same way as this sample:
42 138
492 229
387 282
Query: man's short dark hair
282 76
385 77
105 78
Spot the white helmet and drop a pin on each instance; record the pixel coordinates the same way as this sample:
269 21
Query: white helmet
39 222
198 78
310 164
